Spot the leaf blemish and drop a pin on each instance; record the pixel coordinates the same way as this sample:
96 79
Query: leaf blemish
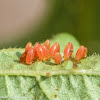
18 54
48 74
56 89
55 95
75 66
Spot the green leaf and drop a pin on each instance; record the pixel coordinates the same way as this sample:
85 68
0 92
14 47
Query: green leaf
46 80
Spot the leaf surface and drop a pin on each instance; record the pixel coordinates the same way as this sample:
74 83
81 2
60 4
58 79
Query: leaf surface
46 80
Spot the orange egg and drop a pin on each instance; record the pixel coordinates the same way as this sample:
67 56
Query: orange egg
54 48
46 53
57 58
28 46
68 51
35 47
40 52
23 57
85 52
81 53
30 56
47 44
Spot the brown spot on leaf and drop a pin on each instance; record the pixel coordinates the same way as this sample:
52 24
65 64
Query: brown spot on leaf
48 74
55 95
56 88
75 65
35 98
23 94
4 65
29 90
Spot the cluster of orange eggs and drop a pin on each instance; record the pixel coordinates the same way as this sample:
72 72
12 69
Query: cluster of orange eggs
45 52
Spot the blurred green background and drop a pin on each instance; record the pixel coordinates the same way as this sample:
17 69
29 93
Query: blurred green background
78 17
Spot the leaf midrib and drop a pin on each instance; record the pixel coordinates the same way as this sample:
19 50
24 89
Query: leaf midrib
49 73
